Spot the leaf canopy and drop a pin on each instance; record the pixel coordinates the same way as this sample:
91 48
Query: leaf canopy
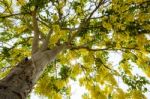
116 26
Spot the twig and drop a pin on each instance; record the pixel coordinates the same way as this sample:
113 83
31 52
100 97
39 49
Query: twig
11 15
100 3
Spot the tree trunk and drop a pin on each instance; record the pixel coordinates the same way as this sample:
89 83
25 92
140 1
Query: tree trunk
20 81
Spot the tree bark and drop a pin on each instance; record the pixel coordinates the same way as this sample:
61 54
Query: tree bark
21 79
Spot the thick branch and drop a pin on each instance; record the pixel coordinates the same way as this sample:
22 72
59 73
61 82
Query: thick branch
30 27
35 43
102 49
46 41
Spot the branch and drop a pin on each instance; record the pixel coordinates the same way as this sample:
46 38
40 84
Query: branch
102 49
106 66
59 10
100 60
98 17
85 22
35 43
70 29
11 15
30 27
62 28
100 3
51 54
46 41
84 71
7 5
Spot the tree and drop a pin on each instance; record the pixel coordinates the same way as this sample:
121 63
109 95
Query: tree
49 42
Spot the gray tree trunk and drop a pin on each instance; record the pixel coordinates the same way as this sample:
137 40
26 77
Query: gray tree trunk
20 81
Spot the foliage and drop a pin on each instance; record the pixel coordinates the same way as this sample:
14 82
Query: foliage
120 26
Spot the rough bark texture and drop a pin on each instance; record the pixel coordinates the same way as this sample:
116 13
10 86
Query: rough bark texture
20 81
